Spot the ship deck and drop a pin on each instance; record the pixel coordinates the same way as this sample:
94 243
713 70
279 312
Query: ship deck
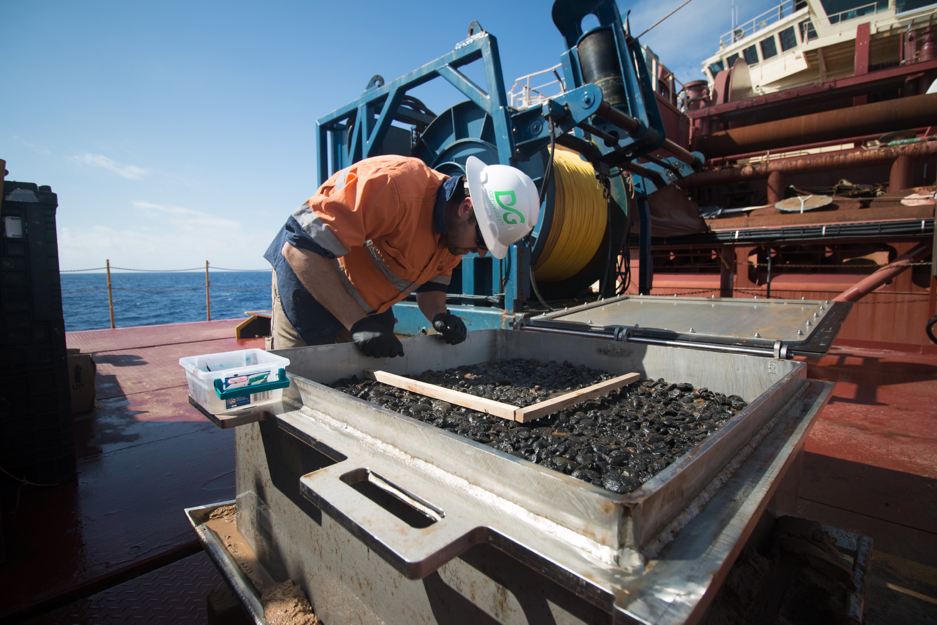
114 545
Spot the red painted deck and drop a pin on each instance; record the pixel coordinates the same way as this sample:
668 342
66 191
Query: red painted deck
871 468
117 535
144 454
871 462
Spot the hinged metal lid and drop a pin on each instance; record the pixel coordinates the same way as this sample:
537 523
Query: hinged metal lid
775 328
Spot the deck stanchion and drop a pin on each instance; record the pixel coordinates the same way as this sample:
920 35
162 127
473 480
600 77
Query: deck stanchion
110 295
768 279
207 299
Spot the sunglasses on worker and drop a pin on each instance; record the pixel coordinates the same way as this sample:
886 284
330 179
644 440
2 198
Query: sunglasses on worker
479 239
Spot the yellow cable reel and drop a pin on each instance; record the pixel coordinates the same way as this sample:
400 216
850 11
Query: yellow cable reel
580 214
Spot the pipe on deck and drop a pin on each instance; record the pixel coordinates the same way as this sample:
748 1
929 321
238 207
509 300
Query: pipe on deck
879 117
824 162
775 187
632 125
901 175
883 275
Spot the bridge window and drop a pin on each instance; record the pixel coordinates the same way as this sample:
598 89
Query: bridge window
715 68
807 31
788 39
902 6
841 10
769 48
731 60
751 55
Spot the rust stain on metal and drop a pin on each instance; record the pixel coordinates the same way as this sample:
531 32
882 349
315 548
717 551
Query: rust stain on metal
608 507
925 149
834 214
879 117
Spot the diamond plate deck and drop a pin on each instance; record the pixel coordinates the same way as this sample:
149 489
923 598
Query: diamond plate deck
173 594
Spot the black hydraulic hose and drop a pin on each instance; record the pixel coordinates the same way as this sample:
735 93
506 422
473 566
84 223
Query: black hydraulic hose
623 267
533 285
626 240
929 328
543 194
646 267
588 150
549 168
608 257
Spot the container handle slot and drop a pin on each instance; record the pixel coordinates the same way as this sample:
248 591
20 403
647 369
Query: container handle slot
408 532
409 508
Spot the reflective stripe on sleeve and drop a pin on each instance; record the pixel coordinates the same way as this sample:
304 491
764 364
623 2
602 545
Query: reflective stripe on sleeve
444 280
318 231
341 179
401 284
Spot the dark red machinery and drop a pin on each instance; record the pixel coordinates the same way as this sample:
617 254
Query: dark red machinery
867 141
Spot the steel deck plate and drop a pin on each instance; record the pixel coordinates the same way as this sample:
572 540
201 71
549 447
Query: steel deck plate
802 324
173 594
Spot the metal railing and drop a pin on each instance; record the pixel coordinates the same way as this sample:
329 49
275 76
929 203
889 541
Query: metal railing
523 95
110 288
866 9
678 291
769 17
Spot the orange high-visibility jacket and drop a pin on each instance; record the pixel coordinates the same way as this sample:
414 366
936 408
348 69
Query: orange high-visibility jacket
376 218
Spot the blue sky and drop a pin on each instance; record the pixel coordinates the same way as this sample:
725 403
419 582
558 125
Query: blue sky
179 132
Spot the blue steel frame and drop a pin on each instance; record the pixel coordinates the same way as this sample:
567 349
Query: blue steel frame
358 131
368 118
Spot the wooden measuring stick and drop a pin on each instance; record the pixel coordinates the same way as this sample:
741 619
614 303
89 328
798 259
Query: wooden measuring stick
550 406
494 408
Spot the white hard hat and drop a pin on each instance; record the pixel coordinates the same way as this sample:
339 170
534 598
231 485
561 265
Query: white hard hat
506 203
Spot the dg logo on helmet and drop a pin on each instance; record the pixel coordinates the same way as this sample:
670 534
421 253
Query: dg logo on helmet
506 203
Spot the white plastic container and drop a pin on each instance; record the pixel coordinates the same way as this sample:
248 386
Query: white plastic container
216 380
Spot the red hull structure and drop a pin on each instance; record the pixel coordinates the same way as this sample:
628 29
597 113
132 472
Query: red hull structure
865 143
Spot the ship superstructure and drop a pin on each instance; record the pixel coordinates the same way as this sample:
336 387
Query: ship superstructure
800 42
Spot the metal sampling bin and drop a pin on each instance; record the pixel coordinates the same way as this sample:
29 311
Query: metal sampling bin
385 519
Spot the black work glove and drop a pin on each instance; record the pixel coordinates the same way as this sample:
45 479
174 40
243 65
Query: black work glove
375 339
450 327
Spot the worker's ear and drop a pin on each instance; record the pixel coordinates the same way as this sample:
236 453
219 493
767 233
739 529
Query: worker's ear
465 208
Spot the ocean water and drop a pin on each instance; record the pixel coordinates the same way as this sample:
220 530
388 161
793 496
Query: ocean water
156 298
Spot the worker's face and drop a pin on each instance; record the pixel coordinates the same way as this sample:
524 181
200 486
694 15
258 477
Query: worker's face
464 235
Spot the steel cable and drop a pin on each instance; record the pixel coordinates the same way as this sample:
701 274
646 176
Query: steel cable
211 268
663 18
190 288
159 270
21 482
